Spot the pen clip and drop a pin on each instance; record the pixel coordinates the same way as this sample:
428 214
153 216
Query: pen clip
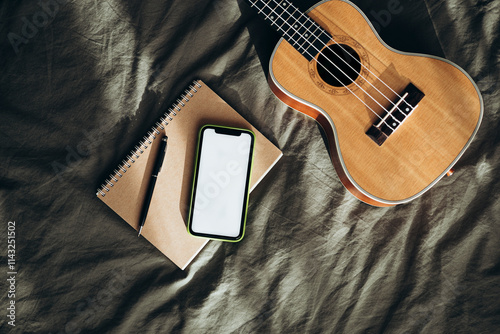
161 156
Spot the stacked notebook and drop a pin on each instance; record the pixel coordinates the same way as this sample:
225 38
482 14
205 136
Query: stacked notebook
125 189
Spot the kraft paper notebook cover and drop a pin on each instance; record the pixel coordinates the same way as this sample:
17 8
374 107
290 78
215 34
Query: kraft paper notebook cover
125 188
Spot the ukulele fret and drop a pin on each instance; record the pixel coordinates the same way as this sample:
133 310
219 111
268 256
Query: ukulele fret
394 118
300 29
305 35
278 16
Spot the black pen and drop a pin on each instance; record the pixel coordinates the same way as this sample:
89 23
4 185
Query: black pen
152 182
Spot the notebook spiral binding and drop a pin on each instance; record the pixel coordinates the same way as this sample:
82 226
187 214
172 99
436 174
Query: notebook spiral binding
148 139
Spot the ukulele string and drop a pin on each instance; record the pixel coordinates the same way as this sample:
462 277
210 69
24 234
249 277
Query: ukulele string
389 113
327 70
395 121
322 31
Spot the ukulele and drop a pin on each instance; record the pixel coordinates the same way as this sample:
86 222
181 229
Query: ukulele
395 122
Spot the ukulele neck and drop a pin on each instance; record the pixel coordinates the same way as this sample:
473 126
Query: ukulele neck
298 29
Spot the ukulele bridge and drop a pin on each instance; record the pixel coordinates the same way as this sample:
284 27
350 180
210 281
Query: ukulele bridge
402 107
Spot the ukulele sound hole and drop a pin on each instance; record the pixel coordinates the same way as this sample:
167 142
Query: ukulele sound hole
338 65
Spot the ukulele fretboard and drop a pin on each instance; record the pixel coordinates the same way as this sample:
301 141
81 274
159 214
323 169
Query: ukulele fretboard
305 35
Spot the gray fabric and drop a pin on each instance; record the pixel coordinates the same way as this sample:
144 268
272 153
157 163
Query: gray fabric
89 81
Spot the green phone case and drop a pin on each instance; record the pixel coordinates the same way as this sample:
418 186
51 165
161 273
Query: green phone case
245 205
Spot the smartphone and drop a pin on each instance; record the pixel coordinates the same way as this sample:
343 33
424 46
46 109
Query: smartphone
219 197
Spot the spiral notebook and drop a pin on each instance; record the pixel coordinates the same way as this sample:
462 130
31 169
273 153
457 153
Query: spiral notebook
125 189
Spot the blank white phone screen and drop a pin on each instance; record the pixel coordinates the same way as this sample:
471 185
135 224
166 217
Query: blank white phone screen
220 189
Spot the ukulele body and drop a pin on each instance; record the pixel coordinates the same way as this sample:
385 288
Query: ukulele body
421 150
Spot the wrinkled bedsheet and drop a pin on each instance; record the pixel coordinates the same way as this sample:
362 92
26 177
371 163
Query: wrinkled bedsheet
82 81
